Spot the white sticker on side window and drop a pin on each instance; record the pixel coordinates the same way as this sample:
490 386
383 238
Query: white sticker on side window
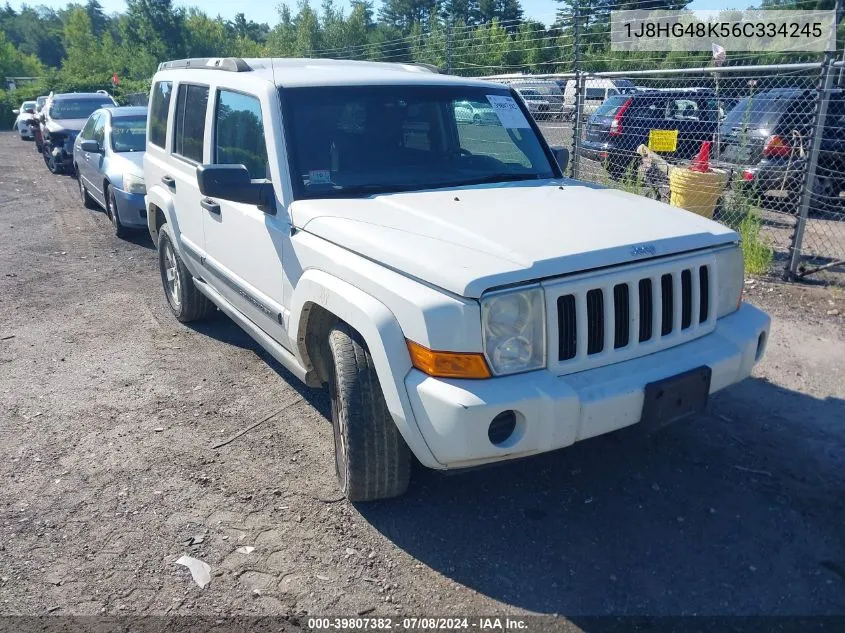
508 111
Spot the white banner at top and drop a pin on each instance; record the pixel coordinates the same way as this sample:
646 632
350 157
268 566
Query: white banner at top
736 31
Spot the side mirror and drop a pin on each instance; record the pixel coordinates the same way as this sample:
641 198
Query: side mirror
232 182
92 147
562 157
16 111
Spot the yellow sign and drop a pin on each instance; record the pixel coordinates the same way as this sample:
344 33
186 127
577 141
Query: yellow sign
663 140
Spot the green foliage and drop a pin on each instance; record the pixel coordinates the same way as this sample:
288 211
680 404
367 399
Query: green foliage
756 249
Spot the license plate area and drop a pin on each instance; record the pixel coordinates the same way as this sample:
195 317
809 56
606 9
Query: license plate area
676 397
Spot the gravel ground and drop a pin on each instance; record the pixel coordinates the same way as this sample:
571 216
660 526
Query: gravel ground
109 409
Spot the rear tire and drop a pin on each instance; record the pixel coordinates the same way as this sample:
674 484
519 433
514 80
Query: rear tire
186 302
372 460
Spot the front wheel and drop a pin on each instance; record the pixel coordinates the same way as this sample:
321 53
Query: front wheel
111 210
185 301
55 166
372 460
87 200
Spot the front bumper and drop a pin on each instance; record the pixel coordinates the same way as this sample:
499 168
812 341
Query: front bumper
131 208
552 412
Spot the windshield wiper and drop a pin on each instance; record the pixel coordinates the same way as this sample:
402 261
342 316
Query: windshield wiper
492 178
376 188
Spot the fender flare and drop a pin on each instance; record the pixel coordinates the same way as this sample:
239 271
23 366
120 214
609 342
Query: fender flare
383 336
161 199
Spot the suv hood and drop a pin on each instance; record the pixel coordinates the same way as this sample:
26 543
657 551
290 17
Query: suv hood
468 240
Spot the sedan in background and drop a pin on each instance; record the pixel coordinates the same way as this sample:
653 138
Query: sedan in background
474 112
22 123
108 156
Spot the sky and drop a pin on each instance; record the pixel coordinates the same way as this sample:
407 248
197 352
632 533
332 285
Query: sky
265 10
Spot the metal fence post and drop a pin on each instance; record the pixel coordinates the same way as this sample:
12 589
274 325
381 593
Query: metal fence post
579 95
824 88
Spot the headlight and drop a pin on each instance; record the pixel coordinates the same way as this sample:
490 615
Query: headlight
514 331
134 184
730 273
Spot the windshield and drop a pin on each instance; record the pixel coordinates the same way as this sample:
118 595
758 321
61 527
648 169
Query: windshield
28 105
77 108
759 111
129 133
363 140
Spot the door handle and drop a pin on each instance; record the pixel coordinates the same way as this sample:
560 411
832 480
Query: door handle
169 181
210 205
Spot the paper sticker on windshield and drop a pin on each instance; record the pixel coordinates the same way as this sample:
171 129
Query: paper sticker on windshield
508 111
319 177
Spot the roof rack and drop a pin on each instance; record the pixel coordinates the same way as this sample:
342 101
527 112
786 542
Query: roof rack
230 64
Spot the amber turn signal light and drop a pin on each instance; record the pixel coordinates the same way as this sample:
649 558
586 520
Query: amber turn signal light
448 364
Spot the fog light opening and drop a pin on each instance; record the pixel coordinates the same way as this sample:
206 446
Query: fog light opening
503 428
761 346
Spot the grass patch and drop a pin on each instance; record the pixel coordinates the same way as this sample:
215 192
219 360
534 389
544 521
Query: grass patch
756 250
739 211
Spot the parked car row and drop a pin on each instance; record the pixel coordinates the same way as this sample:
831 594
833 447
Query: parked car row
764 138
87 135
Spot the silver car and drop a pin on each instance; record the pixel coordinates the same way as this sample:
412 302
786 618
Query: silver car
108 158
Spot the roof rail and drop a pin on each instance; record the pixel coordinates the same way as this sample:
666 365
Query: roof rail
230 64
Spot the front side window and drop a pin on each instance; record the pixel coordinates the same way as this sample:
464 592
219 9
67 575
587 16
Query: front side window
99 132
129 133
77 108
363 140
189 129
159 108
88 128
239 133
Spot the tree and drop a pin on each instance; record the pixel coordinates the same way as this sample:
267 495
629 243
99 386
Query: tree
155 28
402 14
99 21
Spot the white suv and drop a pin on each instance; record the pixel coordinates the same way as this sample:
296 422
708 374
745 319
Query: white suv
464 303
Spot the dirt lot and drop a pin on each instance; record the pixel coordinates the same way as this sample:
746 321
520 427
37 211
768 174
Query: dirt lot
109 407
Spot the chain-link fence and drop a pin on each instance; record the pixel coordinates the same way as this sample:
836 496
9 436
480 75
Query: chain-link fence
758 148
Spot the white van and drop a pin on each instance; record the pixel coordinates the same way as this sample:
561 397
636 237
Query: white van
596 90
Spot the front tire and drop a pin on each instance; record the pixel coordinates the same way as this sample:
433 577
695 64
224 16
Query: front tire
53 165
87 201
111 210
372 460
186 302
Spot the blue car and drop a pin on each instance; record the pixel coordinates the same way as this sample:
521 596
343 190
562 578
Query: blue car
108 158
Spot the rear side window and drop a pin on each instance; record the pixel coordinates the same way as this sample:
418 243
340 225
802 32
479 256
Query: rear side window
239 133
159 107
189 128
759 111
611 105
594 93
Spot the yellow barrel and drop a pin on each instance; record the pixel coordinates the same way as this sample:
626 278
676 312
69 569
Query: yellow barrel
696 191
